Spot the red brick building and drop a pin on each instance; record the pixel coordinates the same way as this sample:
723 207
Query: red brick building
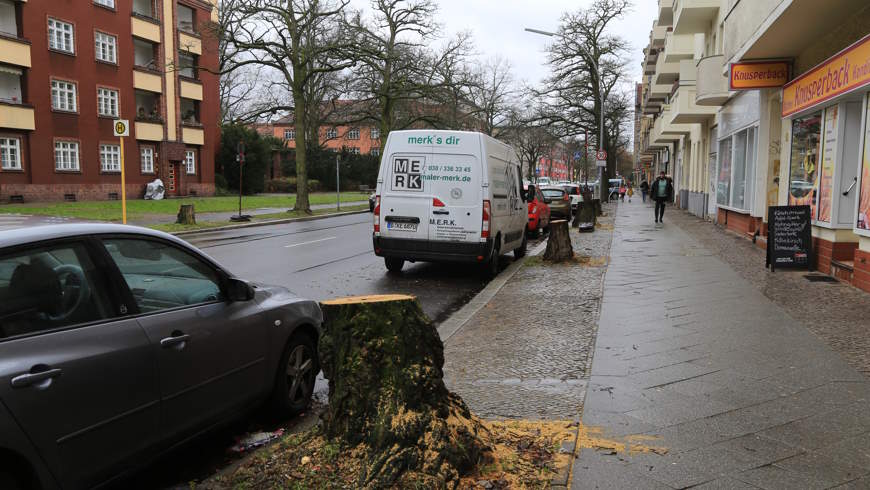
68 68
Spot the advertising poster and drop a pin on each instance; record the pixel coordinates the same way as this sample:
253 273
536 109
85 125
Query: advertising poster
864 198
829 159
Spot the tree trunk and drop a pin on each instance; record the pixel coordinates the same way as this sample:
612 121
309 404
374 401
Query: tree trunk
596 203
300 125
559 247
585 217
186 215
383 359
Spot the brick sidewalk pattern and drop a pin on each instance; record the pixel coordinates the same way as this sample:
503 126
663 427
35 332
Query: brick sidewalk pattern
692 353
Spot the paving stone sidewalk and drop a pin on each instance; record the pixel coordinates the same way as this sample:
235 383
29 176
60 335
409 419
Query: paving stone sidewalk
694 359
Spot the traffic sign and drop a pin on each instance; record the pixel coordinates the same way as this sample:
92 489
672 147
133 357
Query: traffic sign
578 155
122 127
601 155
601 163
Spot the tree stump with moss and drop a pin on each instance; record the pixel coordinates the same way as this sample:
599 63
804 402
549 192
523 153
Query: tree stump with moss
186 215
383 359
559 247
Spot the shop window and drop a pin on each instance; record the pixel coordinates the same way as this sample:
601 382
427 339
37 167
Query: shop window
737 170
10 153
146 157
60 36
105 47
66 156
10 84
723 180
803 173
110 158
863 222
189 111
186 18
143 54
147 106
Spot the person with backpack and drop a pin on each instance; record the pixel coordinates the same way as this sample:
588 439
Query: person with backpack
661 190
644 189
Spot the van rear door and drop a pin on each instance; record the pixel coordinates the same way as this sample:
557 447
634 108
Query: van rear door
405 201
454 181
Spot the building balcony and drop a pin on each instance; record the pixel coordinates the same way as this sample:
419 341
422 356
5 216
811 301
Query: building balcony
190 43
666 72
17 116
711 83
671 129
679 47
693 16
193 136
666 13
657 36
148 131
145 29
191 90
150 82
15 51
684 110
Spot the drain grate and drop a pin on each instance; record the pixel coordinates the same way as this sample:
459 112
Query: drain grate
814 278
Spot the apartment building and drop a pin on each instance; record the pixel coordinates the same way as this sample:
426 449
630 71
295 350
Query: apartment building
358 139
68 68
750 104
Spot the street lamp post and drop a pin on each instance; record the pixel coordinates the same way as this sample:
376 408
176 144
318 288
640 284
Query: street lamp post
602 193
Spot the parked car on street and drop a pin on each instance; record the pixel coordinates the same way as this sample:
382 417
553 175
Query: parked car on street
119 343
573 191
539 211
558 200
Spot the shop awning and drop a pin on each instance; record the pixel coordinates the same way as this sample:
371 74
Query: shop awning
11 70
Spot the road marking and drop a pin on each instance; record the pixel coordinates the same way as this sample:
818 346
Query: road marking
312 241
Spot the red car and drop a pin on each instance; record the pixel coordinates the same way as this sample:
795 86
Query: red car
539 212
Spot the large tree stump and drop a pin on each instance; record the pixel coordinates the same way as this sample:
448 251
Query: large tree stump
585 215
186 215
559 247
383 359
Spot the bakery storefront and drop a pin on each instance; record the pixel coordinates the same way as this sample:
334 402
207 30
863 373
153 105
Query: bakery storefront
825 111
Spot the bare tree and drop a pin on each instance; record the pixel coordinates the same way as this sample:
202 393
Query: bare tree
298 41
530 138
492 94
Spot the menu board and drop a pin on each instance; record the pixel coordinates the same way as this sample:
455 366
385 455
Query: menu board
829 159
789 239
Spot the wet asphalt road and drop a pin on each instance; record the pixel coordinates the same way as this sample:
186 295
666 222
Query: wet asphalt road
319 259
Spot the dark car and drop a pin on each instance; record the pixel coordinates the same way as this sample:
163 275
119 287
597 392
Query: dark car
558 200
118 343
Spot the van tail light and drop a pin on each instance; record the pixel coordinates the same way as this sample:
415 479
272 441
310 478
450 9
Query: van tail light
377 214
484 226
437 203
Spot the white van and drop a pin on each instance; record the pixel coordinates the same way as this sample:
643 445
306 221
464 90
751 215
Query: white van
448 196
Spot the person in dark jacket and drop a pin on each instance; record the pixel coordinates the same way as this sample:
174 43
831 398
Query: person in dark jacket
644 189
661 190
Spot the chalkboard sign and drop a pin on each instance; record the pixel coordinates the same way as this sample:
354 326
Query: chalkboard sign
789 238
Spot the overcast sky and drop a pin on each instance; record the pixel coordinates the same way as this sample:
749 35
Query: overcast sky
497 26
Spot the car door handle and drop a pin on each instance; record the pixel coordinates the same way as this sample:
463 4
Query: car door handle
440 212
175 340
29 379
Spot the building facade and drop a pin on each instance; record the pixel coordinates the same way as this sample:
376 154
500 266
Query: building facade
750 104
68 68
359 139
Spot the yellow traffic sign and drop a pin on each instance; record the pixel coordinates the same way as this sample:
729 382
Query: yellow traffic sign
122 127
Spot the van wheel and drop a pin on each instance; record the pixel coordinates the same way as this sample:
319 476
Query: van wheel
521 251
492 264
394 264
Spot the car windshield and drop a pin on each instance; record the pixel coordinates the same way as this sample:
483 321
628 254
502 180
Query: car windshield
553 192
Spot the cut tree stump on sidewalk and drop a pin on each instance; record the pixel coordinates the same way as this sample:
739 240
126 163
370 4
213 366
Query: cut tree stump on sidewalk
383 359
186 215
559 247
585 216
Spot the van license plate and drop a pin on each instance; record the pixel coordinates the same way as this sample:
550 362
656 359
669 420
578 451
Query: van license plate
391 225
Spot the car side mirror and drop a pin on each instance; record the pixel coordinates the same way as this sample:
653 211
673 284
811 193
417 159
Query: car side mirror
239 290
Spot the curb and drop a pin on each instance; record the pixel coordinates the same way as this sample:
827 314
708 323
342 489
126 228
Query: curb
268 222
457 320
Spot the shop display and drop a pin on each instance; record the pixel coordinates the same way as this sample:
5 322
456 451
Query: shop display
829 160
803 174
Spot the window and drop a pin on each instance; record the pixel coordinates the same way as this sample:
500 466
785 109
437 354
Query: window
48 288
147 159
723 178
105 46
376 134
737 170
353 134
143 53
8 18
60 36
66 156
107 102
290 134
144 8
806 136
147 106
186 64
106 3
375 152
186 18
189 111
190 161
331 133
110 158
161 276
63 96
354 150
10 153
10 84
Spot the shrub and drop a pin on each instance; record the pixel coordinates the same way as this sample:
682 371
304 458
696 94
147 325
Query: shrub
288 185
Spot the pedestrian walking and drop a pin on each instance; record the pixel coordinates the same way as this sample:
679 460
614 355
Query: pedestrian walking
662 190
630 192
622 192
644 189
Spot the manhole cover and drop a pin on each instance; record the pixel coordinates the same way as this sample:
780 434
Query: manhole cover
637 240
820 278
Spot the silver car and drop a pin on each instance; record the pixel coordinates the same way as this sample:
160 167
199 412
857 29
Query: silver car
118 343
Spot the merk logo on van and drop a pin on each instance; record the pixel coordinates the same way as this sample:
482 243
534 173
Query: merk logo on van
408 174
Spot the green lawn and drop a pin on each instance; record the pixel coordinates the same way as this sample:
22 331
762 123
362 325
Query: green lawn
175 227
111 210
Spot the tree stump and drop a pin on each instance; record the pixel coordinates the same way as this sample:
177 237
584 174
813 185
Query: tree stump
383 359
186 215
585 215
559 247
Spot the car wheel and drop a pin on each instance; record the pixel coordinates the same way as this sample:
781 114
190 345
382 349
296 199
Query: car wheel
521 251
394 264
9 480
294 382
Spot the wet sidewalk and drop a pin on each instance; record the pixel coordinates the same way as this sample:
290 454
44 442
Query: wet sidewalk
707 382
